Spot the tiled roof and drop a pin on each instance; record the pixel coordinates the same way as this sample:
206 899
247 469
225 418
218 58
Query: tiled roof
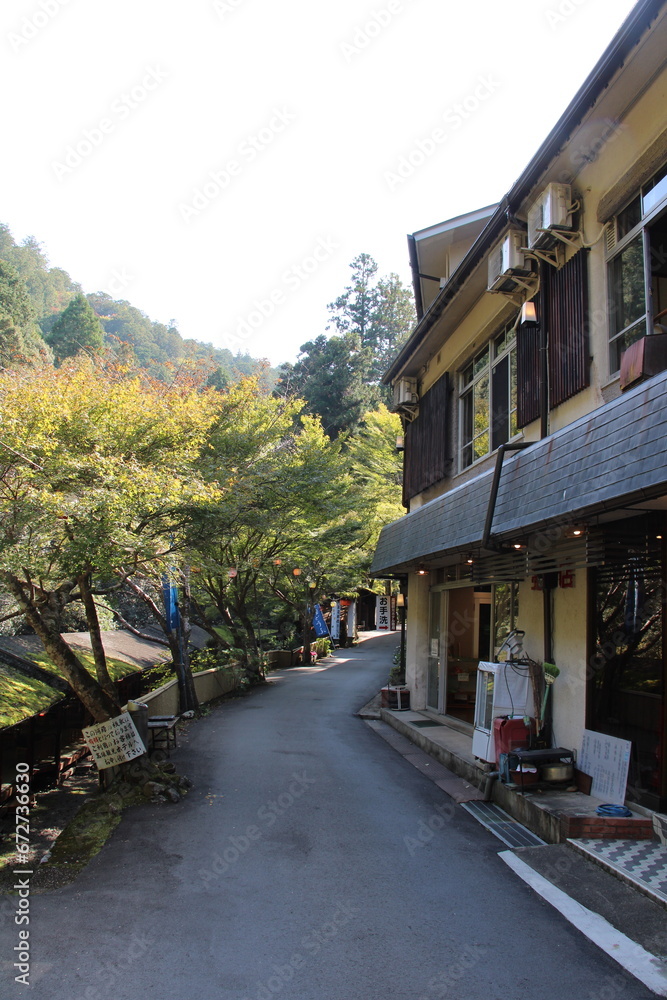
614 456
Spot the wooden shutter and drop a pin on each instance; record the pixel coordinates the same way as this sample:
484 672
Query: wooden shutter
566 307
426 441
527 374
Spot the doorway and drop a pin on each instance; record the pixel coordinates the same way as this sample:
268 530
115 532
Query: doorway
626 692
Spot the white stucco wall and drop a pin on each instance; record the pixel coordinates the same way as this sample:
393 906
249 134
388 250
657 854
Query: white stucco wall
416 647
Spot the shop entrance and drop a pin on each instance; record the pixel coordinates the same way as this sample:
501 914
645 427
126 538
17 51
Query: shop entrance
468 642
626 694
466 625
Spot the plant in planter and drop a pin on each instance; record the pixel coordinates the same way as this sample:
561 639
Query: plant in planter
396 676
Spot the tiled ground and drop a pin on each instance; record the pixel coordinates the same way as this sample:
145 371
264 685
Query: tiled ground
642 862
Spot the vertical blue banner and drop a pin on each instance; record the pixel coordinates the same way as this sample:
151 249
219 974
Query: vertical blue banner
170 598
319 623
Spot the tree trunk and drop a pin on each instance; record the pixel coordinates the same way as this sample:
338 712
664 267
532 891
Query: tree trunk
190 692
85 687
305 631
177 640
101 666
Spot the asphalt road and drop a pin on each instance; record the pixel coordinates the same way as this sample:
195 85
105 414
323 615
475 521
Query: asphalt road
309 862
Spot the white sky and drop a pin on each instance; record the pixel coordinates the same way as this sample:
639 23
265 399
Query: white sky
313 104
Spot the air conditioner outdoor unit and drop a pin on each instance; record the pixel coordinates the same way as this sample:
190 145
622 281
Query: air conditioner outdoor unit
506 259
405 392
550 210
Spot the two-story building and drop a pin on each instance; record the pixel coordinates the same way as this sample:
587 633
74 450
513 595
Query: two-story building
533 392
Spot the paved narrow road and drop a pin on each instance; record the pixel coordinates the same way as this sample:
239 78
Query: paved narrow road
293 870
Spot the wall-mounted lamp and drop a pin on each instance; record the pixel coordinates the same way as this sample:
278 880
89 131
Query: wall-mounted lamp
400 600
400 443
529 315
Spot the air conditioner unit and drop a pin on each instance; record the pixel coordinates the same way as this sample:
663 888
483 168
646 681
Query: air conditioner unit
506 259
405 392
550 210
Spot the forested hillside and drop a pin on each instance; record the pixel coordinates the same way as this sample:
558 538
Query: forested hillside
34 296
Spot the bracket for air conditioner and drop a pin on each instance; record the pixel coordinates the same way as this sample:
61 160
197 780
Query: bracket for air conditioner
515 296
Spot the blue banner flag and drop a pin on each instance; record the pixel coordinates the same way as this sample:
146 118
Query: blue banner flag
170 597
319 623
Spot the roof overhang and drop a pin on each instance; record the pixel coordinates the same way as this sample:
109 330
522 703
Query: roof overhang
611 459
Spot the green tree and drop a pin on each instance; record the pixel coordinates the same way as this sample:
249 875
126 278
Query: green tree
340 376
331 375
377 468
77 329
281 487
20 340
380 312
96 470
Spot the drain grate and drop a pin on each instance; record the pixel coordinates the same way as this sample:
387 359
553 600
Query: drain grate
502 825
423 723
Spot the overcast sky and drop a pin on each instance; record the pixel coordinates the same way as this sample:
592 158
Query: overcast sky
221 162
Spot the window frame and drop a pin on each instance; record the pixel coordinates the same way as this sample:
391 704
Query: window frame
469 378
639 231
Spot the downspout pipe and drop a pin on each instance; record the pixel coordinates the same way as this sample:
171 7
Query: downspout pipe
500 455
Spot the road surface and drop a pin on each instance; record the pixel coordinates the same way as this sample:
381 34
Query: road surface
309 862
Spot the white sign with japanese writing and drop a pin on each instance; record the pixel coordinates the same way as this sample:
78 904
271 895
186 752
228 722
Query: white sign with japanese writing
606 759
383 613
114 742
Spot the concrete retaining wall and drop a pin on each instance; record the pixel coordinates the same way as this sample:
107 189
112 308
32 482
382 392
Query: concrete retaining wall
209 684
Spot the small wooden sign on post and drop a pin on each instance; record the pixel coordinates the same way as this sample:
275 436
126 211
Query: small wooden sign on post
114 742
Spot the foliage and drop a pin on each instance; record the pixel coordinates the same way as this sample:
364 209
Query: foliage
377 468
76 329
323 646
331 375
96 467
20 340
50 289
339 376
378 312
283 490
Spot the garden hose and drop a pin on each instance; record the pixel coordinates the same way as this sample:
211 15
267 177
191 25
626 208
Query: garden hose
613 810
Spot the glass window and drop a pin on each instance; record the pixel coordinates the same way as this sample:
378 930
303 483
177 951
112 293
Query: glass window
629 218
488 398
655 190
627 299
